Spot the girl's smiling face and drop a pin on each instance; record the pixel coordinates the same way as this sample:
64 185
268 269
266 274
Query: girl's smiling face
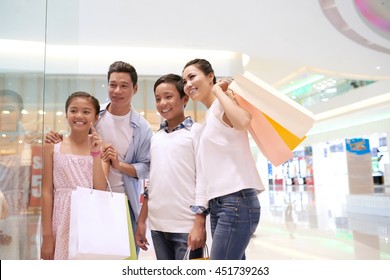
81 113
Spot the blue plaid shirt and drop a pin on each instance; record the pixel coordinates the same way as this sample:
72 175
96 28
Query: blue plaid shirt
187 123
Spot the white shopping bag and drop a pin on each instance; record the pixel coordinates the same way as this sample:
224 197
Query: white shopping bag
286 112
278 124
100 226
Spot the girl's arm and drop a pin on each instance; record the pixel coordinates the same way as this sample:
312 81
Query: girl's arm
99 172
47 250
234 115
99 175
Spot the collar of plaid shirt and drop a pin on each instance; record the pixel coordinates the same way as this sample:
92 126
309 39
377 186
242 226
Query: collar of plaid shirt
187 123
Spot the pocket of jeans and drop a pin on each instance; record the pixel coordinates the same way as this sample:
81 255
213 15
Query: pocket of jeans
254 214
229 202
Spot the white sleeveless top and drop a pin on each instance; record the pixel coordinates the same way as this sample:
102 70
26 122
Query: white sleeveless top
225 163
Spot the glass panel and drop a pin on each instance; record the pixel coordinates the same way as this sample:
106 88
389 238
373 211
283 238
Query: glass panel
22 56
40 66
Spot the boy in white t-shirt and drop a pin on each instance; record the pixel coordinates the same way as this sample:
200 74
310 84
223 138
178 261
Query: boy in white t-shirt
174 226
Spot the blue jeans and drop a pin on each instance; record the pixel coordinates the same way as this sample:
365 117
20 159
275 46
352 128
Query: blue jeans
233 220
172 246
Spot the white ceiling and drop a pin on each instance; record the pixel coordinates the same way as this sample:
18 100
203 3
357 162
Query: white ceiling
285 40
279 36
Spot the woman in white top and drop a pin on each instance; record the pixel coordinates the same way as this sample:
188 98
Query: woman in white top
228 182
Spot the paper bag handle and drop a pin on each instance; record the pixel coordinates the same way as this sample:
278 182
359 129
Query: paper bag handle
108 184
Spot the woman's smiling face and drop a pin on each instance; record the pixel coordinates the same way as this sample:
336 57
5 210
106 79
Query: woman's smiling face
196 84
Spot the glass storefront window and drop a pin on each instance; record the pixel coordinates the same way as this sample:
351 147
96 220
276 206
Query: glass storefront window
22 56
39 68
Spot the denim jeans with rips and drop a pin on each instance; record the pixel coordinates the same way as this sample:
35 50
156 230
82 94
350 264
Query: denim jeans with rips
233 219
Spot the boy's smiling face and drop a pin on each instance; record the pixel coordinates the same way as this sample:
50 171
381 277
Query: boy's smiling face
169 104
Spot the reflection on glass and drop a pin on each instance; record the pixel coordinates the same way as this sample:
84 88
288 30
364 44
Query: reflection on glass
289 220
15 162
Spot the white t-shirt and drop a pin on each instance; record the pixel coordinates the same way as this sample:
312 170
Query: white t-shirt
117 131
225 162
172 180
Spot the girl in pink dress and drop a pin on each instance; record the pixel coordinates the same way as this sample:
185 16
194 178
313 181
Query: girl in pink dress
73 162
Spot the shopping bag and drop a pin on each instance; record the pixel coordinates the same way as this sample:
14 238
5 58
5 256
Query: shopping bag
279 131
274 141
100 226
206 255
284 111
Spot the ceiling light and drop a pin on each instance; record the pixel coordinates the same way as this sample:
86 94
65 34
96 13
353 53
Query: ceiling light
93 59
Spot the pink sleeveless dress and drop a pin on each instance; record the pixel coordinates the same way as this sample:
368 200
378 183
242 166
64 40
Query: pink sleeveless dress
69 171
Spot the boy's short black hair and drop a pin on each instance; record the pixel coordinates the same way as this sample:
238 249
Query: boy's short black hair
171 79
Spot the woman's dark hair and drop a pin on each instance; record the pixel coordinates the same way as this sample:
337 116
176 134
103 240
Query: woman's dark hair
171 79
85 95
14 95
203 65
121 66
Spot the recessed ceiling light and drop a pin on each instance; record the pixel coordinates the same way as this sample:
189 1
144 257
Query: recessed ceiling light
378 67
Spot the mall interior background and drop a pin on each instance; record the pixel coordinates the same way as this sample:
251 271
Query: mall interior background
338 68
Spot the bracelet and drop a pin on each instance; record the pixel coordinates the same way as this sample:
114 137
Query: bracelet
95 154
